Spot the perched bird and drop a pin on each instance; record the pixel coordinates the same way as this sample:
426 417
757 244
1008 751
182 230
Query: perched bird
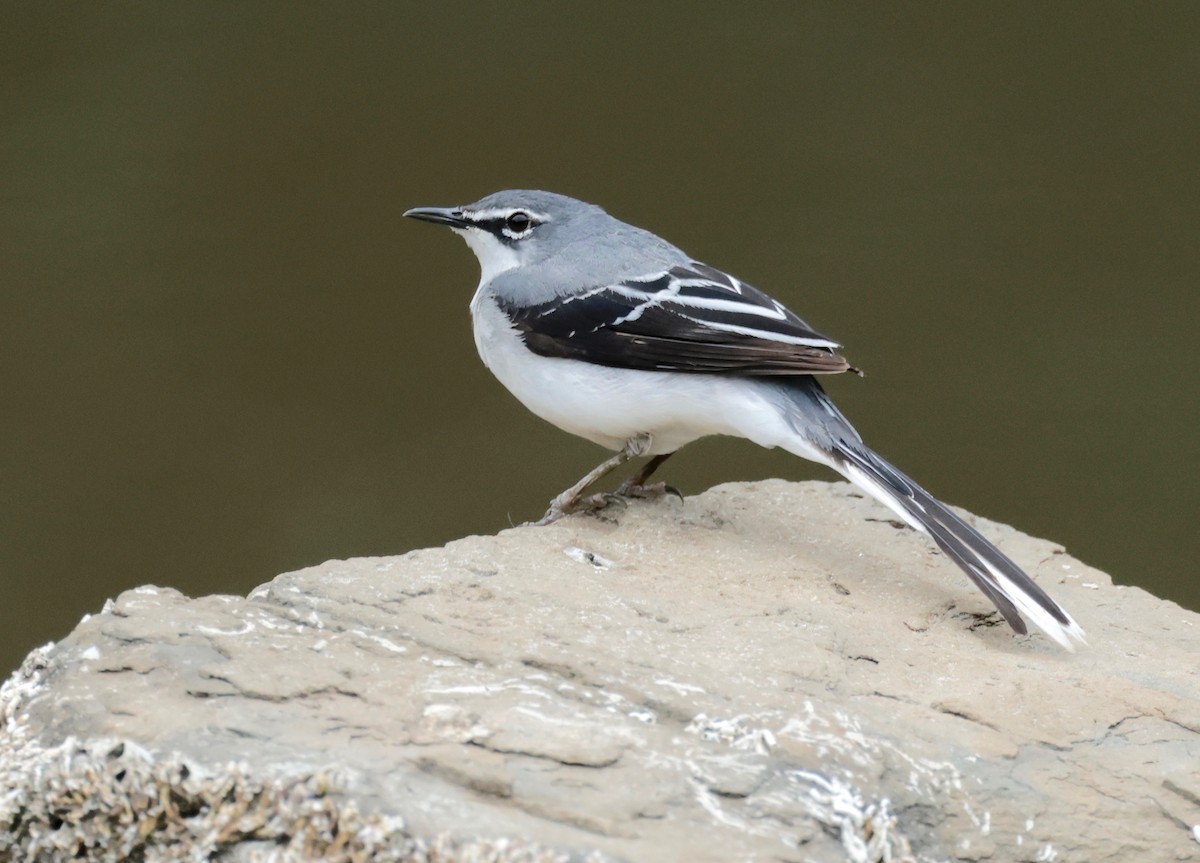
613 334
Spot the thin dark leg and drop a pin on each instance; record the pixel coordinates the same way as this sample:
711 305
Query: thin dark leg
569 500
636 486
639 478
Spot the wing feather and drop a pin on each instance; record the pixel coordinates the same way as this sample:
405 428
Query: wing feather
690 318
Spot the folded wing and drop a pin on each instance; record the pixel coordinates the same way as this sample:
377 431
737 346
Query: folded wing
691 318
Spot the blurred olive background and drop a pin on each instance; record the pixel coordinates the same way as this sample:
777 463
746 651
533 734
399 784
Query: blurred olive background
225 355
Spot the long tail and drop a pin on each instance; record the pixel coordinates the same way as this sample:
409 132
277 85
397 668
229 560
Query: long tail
814 416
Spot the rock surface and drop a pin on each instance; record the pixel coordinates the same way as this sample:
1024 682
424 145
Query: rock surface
768 672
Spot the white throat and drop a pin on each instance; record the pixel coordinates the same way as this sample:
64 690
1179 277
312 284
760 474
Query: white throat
494 256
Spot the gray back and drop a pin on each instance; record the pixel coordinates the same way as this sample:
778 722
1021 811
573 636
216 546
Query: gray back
580 246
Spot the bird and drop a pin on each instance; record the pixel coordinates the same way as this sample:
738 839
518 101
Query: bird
615 335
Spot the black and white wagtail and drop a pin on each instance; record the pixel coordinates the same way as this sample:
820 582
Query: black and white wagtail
615 335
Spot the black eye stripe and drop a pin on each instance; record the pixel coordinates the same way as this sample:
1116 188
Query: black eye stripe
518 223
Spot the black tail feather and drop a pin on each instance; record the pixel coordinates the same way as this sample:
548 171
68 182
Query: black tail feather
1017 597
958 540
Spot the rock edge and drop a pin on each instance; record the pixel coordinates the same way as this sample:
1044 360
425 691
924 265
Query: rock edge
770 671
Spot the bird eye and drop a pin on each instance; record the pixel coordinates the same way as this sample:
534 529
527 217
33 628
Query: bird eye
518 222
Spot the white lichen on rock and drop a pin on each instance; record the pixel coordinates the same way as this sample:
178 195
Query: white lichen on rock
768 674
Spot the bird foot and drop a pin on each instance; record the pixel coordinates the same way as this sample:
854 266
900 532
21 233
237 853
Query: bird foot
629 490
594 503
626 492
556 511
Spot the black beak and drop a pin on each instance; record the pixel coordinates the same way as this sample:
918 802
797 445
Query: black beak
451 216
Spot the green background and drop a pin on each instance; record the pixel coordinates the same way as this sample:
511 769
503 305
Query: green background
224 354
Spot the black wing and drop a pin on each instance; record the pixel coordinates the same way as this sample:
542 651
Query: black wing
690 318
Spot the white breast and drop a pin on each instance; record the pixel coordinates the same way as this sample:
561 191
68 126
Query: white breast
608 406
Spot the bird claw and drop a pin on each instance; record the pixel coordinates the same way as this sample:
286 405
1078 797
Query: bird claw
635 488
560 506
601 501
552 515
653 491
591 504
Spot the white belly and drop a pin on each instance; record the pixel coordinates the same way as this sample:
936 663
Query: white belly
609 406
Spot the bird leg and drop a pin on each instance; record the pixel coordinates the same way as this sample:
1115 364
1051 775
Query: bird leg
636 486
569 500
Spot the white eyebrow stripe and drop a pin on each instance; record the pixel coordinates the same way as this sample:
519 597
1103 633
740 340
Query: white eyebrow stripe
500 213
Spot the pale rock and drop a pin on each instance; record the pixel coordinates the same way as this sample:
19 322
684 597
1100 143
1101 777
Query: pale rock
769 671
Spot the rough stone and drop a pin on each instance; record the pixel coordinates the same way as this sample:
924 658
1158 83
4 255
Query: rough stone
769 671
